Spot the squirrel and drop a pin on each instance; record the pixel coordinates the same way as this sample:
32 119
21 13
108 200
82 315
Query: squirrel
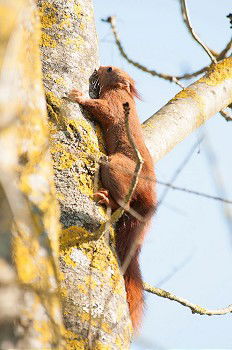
116 87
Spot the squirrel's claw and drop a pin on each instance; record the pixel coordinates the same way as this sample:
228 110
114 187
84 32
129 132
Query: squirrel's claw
102 196
75 95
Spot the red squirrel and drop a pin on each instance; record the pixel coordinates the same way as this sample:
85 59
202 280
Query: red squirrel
116 87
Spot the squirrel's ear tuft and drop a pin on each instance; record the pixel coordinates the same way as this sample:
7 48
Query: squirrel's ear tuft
134 91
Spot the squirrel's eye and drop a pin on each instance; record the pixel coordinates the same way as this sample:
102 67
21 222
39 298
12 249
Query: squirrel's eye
109 69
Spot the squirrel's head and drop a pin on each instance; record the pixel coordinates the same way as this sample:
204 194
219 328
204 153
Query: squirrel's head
112 77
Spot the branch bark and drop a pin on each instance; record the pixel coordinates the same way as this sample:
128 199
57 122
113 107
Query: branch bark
196 309
189 109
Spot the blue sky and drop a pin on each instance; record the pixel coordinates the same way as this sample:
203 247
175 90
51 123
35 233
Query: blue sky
188 231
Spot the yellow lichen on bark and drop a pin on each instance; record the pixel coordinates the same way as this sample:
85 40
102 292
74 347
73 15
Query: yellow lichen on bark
26 163
218 73
189 109
92 285
189 93
89 265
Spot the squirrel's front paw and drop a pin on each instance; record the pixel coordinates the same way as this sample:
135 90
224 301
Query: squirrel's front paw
75 96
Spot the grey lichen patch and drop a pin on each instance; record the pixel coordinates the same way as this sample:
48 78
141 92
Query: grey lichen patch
74 173
88 286
68 44
29 183
94 297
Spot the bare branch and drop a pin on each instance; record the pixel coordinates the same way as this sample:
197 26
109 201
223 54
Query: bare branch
225 51
112 21
195 192
139 159
179 169
230 18
225 114
182 189
218 180
149 178
192 32
189 109
175 270
175 80
125 204
171 78
196 309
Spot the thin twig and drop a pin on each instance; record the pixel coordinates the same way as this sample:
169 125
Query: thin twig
225 51
195 192
125 203
112 219
218 180
178 170
182 189
171 78
196 309
153 179
175 269
230 18
187 21
176 79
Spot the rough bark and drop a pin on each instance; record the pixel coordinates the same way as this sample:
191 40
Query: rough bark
27 189
95 306
189 109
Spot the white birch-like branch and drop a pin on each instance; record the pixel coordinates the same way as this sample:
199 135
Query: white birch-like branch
189 109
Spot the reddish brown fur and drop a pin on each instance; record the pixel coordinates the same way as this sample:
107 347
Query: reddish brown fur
116 88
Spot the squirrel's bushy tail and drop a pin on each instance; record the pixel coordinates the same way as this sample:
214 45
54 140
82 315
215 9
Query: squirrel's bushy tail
134 290
130 234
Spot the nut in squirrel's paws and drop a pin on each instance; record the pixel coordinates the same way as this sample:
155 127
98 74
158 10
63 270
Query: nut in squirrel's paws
75 95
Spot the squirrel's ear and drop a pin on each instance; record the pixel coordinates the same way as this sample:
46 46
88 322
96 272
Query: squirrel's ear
130 87
134 91
124 85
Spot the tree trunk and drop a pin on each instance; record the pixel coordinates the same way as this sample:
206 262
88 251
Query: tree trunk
28 191
95 306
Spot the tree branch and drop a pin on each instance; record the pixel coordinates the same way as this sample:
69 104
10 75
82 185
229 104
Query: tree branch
112 21
124 205
187 21
196 309
226 115
178 171
189 109
225 51
194 192
167 184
